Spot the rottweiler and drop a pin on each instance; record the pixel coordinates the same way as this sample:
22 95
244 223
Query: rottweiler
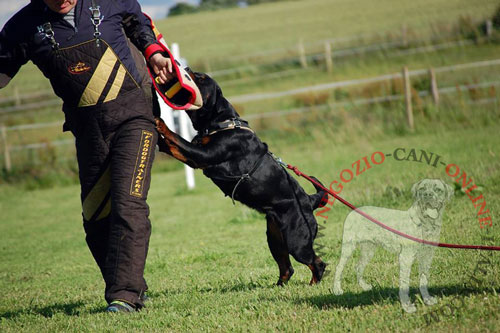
240 164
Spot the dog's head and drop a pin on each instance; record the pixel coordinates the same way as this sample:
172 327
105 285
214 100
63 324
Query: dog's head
431 196
215 107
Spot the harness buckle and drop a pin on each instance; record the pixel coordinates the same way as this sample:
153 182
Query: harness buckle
46 28
96 20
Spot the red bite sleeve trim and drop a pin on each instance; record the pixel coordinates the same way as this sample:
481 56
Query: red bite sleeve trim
151 49
175 67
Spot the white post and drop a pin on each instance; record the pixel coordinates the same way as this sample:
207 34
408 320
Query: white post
302 54
8 164
184 124
328 57
434 86
165 111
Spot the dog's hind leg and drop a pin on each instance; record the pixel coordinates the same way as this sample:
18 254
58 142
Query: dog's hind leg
279 250
304 253
367 252
318 269
347 251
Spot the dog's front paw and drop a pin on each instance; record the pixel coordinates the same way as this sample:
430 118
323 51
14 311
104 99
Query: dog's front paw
430 300
364 285
337 289
409 307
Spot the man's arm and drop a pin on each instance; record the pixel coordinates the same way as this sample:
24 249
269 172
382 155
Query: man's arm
140 31
12 53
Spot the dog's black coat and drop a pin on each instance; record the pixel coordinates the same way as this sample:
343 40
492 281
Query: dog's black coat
227 154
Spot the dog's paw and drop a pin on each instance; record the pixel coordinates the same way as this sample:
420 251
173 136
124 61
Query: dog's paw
337 289
409 307
430 300
364 285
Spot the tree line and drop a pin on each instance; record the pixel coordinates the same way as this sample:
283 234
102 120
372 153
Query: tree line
186 8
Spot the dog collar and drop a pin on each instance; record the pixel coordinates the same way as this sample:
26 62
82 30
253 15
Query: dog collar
230 124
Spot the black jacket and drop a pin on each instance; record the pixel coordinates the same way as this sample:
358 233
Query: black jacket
20 37
70 58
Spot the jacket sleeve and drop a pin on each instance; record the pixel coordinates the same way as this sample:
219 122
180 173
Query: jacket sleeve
138 28
13 52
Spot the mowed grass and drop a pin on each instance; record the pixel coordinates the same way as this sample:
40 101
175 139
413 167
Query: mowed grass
215 37
209 268
235 32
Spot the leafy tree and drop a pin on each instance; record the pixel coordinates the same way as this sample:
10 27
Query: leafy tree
217 4
182 8
496 18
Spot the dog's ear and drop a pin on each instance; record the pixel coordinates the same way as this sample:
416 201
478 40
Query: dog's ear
414 188
450 191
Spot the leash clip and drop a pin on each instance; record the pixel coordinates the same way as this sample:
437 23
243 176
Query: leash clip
237 123
278 160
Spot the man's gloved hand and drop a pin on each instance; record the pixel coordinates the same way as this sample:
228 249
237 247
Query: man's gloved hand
162 66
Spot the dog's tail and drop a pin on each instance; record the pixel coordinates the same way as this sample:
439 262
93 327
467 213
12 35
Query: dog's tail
320 198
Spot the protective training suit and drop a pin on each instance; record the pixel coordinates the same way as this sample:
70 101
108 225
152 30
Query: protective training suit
91 65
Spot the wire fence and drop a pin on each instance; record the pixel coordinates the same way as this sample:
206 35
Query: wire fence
8 148
380 99
348 83
399 47
359 101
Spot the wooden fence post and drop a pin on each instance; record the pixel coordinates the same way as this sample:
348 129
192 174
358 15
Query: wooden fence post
434 87
328 57
409 111
8 165
302 54
17 97
206 64
489 28
404 35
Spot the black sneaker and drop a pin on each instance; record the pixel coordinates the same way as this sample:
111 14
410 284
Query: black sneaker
120 306
145 298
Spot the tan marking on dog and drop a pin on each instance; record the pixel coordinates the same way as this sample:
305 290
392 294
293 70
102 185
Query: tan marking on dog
177 154
205 140
313 279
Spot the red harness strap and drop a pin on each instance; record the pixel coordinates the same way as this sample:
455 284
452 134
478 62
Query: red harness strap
397 232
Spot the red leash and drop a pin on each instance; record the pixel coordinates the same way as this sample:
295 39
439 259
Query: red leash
418 240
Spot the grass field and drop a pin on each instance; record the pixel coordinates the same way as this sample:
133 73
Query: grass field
280 25
214 36
209 267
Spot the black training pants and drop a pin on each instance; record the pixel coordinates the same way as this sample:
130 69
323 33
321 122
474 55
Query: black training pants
115 174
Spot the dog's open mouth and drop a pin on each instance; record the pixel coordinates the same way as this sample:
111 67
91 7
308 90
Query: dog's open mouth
431 209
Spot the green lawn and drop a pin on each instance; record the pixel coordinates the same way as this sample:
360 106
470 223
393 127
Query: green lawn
209 267
217 36
234 32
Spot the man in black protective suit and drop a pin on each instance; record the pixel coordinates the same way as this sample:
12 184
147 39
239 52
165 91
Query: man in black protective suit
83 48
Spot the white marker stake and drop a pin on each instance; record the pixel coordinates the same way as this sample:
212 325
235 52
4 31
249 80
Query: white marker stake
166 111
184 124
